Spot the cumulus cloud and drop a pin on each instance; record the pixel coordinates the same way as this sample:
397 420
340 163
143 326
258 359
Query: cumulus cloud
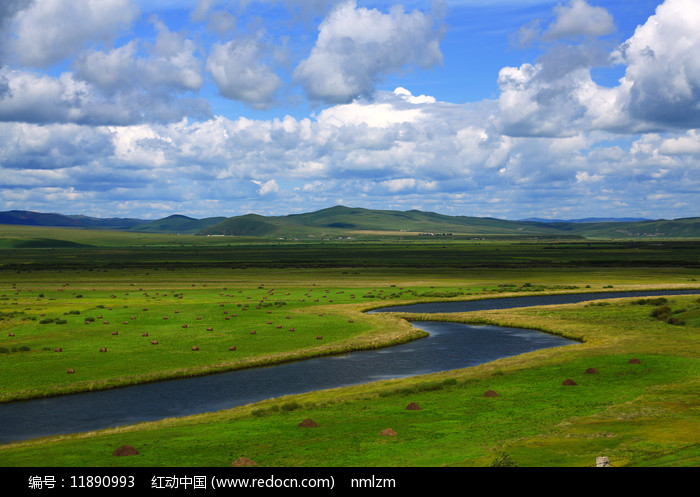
662 81
556 96
37 98
48 31
240 74
171 65
448 155
579 19
117 129
357 46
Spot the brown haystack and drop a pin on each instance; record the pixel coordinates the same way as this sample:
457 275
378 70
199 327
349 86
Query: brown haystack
635 361
569 381
195 348
388 432
252 332
115 333
69 371
244 461
154 342
591 371
126 450
490 393
413 406
10 334
103 349
144 334
232 348
308 423
58 349
319 337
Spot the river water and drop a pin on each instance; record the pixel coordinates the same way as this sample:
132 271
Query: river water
449 346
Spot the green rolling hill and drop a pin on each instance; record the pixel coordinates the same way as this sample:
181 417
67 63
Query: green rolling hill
349 222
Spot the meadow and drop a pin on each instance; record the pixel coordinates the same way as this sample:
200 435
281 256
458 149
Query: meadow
219 290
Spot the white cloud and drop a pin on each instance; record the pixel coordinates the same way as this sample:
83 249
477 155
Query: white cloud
357 46
660 90
688 144
240 74
170 66
579 19
37 98
662 80
49 31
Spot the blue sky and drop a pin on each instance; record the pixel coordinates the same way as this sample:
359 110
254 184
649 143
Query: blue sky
508 109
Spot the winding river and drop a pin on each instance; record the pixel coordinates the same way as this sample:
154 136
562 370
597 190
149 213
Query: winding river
449 346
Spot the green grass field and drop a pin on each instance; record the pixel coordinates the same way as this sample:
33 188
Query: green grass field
638 415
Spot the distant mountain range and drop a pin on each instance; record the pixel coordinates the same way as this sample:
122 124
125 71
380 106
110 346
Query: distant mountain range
343 221
588 220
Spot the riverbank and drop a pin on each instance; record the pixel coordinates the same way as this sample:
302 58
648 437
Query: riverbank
124 313
637 414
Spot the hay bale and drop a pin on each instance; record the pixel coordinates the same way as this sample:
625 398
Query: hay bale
252 332
195 348
58 349
591 371
70 371
115 333
319 337
602 462
388 432
413 406
210 329
184 326
634 361
126 450
490 393
232 348
144 334
103 349
308 423
291 329
10 334
154 342
569 381
244 461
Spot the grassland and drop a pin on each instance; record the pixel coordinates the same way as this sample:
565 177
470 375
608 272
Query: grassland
644 414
